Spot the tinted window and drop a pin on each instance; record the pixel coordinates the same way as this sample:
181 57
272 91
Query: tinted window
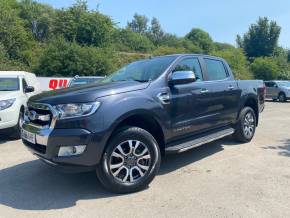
141 71
9 84
190 64
270 84
215 69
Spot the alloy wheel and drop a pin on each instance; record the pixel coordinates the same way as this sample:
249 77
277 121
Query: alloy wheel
249 125
130 161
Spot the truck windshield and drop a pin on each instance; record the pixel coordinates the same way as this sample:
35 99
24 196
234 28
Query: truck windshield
284 84
9 84
141 71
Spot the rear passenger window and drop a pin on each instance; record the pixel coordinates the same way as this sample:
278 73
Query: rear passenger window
190 64
269 84
215 69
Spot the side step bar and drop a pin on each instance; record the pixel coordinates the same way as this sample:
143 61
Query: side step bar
199 141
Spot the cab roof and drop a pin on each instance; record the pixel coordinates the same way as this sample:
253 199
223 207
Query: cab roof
15 73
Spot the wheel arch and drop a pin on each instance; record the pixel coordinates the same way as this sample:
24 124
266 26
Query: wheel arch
144 120
251 102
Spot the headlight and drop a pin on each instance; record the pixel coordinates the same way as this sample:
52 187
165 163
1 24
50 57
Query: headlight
76 110
4 104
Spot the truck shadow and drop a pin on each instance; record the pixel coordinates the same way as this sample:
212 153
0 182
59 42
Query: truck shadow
36 186
176 161
4 138
283 150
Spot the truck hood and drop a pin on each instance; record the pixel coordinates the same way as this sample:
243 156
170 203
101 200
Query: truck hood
5 95
88 93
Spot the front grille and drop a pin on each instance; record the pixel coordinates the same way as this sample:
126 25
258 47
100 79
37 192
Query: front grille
37 147
39 115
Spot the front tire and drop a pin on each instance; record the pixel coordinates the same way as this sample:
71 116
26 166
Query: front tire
246 125
130 161
282 97
16 134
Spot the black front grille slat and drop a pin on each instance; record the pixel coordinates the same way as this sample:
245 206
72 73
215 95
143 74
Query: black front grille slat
37 147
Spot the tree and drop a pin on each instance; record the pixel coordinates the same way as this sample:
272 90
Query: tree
139 24
222 46
38 18
7 64
13 35
166 50
155 32
200 38
126 40
64 58
265 68
83 26
261 39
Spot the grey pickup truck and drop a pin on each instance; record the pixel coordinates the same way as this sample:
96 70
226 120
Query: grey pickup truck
121 126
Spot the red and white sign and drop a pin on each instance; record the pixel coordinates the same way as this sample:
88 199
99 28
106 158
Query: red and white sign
53 83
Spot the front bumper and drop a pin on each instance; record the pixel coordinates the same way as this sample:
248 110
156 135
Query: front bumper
49 141
9 117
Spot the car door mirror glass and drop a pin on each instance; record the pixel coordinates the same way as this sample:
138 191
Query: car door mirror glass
182 77
29 89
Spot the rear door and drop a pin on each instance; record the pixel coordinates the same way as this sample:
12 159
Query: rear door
272 90
223 93
270 93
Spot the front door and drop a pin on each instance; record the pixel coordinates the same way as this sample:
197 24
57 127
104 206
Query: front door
189 102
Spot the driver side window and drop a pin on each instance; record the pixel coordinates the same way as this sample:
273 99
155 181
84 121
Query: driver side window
190 64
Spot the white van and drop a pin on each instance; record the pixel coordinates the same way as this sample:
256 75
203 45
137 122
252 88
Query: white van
15 89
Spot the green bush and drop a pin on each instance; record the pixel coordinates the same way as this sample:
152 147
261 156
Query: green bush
128 41
166 50
265 68
69 59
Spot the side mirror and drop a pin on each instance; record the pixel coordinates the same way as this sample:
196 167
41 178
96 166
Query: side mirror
182 77
28 89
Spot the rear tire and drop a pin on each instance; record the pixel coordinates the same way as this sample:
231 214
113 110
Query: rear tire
130 161
246 125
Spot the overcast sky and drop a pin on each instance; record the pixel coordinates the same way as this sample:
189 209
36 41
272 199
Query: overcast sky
223 19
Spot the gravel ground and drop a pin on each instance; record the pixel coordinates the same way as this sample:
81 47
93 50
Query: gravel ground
220 179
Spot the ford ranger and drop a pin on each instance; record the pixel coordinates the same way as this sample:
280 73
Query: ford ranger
123 125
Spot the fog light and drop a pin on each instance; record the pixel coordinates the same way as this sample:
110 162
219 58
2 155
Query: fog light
65 151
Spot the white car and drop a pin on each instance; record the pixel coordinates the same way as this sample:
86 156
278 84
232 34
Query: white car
15 89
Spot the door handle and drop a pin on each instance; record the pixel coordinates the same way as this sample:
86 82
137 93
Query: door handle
231 87
204 91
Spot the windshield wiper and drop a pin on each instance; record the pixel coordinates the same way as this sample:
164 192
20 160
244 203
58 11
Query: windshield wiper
128 80
141 81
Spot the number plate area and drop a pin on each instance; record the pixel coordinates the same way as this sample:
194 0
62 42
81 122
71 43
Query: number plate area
28 136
